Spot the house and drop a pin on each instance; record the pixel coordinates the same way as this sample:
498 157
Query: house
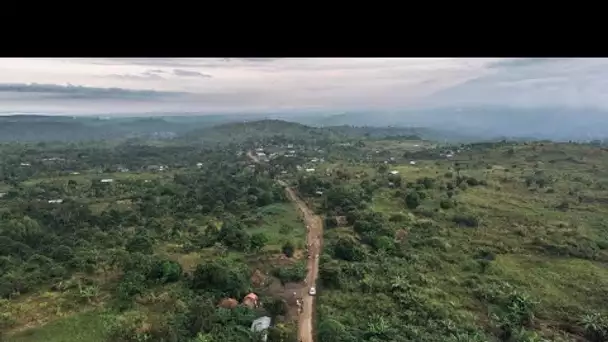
394 172
2 194
75 173
310 170
107 180
289 145
26 164
122 169
251 300
261 325
199 165
58 201
228 303
412 162
320 193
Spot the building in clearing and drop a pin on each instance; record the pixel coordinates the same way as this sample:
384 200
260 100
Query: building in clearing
58 201
412 162
107 180
199 165
261 325
310 170
394 172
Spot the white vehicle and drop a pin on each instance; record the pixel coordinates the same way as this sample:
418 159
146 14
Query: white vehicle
312 291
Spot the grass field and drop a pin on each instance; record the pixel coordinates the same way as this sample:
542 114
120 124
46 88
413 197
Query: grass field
83 327
524 242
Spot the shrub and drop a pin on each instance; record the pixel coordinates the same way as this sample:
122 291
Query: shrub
349 250
472 181
288 249
398 218
595 326
446 204
448 174
467 220
427 182
223 276
165 271
291 274
412 200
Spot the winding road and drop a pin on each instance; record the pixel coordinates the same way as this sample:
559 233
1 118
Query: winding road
314 239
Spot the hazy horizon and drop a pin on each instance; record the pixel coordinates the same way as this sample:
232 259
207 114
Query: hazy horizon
115 86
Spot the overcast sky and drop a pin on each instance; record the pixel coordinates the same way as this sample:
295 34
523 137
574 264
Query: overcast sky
80 86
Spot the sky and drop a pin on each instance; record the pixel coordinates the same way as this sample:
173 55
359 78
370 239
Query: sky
240 85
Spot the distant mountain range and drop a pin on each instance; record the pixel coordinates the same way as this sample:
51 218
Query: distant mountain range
449 124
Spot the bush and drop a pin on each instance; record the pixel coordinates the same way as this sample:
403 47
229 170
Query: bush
141 244
331 222
349 250
288 249
448 174
427 182
276 307
412 200
472 181
165 271
223 276
595 326
467 220
291 274
446 204
258 241
398 218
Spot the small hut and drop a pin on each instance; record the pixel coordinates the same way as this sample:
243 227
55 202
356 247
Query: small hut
228 303
251 300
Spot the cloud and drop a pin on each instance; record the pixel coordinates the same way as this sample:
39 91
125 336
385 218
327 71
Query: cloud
546 82
147 75
190 73
79 92
246 84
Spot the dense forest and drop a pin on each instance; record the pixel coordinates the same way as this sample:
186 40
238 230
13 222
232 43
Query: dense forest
147 239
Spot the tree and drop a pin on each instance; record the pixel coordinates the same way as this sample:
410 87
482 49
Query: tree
276 307
349 250
412 200
165 271
258 241
141 244
288 249
223 276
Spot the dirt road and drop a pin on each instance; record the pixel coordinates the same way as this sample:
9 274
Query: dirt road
314 241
